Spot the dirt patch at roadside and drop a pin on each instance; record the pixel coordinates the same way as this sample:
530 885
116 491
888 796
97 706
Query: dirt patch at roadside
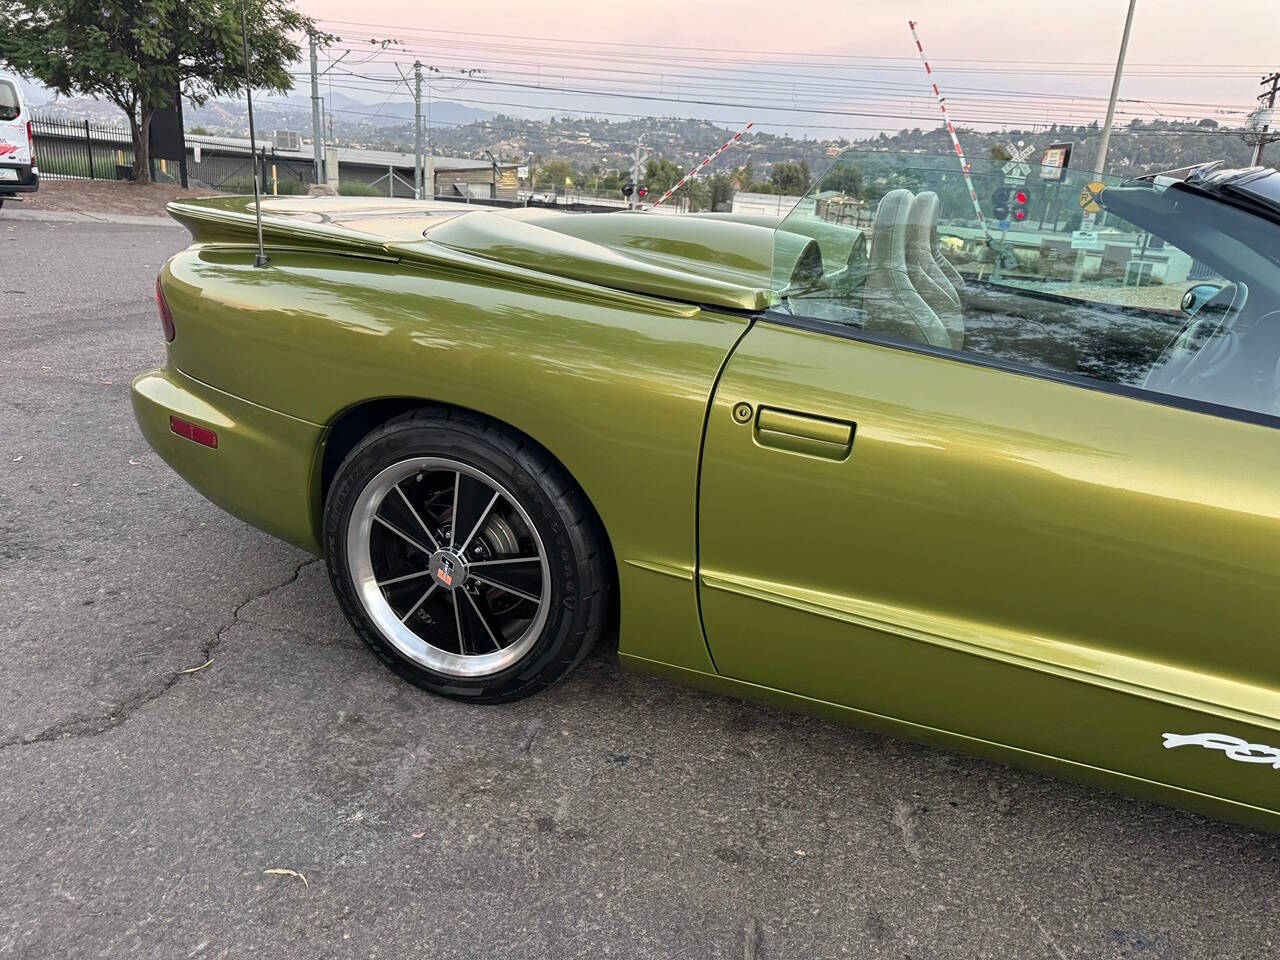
107 196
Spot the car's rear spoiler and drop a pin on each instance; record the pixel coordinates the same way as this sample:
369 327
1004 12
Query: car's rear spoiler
512 244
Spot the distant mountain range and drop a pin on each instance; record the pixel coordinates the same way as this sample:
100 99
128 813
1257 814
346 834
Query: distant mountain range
350 120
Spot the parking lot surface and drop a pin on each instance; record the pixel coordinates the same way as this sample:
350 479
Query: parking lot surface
143 802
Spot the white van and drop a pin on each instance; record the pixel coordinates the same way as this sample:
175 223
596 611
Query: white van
18 170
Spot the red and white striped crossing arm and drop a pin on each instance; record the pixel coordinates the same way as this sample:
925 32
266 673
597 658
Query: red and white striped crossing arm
703 165
942 105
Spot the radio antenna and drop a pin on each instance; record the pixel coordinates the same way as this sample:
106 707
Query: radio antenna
260 259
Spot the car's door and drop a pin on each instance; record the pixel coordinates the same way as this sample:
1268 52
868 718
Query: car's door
1015 553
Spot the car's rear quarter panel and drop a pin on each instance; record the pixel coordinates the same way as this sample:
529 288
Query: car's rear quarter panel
616 391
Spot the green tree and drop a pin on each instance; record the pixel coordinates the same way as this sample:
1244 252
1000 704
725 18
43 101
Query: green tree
697 194
791 178
846 177
139 53
612 182
660 175
721 190
554 173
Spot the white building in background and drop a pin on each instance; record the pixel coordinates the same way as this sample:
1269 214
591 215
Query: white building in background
769 204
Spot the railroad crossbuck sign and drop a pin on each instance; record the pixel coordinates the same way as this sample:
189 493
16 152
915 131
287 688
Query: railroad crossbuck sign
1089 196
1017 168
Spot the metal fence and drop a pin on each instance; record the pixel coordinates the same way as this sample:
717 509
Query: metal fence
228 166
80 150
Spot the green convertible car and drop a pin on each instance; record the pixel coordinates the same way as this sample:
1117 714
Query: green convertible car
995 469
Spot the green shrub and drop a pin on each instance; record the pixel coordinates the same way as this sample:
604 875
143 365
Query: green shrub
244 186
351 188
71 166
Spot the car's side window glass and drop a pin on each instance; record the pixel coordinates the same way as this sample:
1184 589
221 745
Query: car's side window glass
1143 283
8 101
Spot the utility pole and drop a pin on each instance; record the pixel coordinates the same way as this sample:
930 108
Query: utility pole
417 129
1270 98
493 185
317 132
1115 92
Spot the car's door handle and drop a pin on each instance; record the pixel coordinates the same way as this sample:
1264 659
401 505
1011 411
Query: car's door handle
804 433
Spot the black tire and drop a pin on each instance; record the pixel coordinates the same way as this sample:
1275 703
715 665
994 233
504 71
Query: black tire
577 554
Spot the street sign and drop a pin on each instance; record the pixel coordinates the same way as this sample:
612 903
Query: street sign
1089 196
522 173
1054 161
1085 240
1017 169
1004 225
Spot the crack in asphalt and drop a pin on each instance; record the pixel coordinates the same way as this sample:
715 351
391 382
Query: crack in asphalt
75 728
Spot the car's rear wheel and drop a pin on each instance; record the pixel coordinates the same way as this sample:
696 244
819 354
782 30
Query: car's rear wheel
465 556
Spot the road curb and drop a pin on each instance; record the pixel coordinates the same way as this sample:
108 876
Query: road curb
68 216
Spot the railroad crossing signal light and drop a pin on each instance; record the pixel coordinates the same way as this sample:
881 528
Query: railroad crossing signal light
628 189
1021 202
1000 203
642 191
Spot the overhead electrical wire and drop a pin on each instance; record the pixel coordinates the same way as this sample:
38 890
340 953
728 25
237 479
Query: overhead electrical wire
633 45
687 78
719 122
1067 107
827 82
985 108
1003 121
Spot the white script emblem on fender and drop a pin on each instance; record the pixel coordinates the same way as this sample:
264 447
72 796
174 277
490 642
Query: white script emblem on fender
1233 747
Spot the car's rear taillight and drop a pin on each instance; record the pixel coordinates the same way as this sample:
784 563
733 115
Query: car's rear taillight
166 318
31 144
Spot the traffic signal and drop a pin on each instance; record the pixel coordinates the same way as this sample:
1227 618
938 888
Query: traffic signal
628 189
1000 203
1020 202
642 191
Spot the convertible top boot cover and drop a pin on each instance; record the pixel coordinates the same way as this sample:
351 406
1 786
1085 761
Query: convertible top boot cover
891 302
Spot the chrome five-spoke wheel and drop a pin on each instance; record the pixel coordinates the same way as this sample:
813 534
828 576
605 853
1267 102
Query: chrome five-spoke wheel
448 566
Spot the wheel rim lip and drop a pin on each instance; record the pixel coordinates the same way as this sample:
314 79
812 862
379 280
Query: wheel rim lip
374 602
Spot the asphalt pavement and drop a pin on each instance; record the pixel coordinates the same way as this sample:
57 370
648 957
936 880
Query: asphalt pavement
144 803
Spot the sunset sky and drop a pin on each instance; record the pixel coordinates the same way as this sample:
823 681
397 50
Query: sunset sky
824 66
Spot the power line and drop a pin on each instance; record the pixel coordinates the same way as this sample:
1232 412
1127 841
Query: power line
1003 121
812 55
505 50
719 122
1058 108
982 106
830 83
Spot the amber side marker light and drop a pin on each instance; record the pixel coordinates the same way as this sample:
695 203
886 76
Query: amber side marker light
166 318
193 431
